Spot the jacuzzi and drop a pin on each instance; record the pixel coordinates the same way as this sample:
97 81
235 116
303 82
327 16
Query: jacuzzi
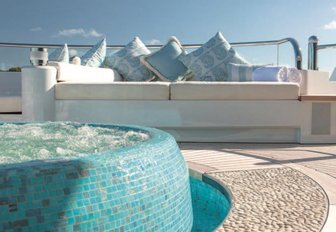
140 187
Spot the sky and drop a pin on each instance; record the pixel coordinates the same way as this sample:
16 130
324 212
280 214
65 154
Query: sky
154 21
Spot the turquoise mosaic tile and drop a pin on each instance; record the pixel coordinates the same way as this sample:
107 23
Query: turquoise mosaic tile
210 205
139 188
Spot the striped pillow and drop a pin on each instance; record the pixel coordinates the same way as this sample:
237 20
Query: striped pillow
240 72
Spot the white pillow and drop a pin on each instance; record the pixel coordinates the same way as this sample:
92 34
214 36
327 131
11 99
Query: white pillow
76 60
269 74
280 74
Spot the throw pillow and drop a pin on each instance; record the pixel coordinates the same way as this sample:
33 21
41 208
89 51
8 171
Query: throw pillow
96 55
209 62
272 73
127 61
76 60
165 64
241 72
60 54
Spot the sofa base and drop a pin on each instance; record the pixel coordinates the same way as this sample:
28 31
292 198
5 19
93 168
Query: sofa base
190 121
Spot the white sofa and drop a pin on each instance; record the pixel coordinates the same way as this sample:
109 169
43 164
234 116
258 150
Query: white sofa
191 111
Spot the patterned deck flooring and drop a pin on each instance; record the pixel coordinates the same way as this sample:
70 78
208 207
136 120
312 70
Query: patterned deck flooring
246 168
228 157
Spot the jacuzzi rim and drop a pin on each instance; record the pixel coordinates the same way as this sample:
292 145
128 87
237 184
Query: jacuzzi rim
216 184
155 136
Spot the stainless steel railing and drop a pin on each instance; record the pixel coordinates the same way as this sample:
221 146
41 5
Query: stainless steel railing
292 41
313 48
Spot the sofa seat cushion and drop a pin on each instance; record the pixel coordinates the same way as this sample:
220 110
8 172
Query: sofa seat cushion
234 91
10 104
112 91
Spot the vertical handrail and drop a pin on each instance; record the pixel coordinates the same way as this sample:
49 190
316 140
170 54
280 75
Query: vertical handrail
313 48
312 52
278 54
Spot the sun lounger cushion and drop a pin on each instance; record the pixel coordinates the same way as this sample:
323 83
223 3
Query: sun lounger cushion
112 91
209 62
234 91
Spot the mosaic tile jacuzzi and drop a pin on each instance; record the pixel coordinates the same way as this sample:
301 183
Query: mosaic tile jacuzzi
138 185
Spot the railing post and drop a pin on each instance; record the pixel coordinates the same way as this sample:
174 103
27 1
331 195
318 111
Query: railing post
312 52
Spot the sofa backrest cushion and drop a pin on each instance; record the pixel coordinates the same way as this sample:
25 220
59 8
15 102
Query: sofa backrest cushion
79 73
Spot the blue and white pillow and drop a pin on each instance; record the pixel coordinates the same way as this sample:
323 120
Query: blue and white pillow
95 56
60 54
209 62
277 74
127 62
269 74
241 72
164 63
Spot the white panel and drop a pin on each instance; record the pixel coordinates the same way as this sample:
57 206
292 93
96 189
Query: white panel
216 121
38 94
317 82
321 118
185 113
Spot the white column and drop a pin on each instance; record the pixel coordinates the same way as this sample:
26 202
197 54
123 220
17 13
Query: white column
38 93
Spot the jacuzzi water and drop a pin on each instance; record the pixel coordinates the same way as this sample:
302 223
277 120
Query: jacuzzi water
76 177
61 140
